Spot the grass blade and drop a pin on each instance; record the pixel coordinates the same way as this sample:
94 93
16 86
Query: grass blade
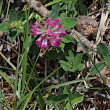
7 80
8 61
70 82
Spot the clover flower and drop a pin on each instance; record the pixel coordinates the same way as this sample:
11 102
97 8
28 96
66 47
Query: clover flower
50 34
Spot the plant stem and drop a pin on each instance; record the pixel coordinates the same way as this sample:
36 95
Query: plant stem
16 77
52 3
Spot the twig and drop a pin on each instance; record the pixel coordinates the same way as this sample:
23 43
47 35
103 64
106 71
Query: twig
96 11
83 39
90 6
43 11
6 42
102 26
12 45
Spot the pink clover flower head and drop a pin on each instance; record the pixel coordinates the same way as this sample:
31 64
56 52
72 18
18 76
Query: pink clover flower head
50 33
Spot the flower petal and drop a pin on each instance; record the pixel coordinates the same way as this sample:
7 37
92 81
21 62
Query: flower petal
35 33
31 25
55 42
44 43
57 26
50 33
60 32
39 42
38 24
47 21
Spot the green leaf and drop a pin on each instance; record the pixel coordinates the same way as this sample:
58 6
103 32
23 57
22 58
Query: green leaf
65 67
77 60
63 7
99 66
65 63
80 66
73 63
76 97
49 99
60 98
61 47
53 54
73 69
68 23
4 27
72 8
102 50
71 55
82 8
12 15
67 39
69 106
12 36
63 15
66 1
67 91
76 63
20 15
55 106
85 57
107 59
69 58
55 11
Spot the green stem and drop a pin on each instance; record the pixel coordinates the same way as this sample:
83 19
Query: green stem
1 7
26 45
17 71
16 80
52 3
8 9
